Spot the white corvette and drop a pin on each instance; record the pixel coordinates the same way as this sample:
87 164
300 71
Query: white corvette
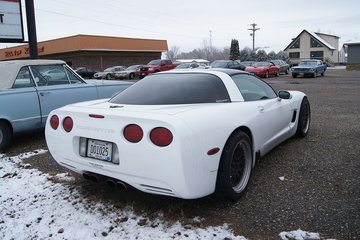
185 134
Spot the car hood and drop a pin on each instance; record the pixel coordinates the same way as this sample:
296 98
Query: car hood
254 68
302 67
105 82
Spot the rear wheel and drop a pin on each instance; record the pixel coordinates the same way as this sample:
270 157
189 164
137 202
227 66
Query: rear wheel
304 119
108 76
5 135
287 71
131 76
235 167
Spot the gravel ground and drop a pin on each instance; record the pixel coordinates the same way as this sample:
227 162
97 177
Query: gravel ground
321 190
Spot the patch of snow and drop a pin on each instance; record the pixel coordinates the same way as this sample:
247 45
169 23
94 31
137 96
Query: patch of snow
64 177
299 235
32 207
282 178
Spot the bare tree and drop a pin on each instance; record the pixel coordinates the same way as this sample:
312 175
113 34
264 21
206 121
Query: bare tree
173 52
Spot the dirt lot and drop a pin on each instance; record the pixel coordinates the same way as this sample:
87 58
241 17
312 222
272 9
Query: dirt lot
321 190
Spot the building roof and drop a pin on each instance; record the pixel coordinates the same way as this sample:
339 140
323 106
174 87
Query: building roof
86 43
317 37
352 44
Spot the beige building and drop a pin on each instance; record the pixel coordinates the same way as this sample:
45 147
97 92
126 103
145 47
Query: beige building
311 45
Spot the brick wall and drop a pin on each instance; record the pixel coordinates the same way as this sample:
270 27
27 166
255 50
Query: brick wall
101 60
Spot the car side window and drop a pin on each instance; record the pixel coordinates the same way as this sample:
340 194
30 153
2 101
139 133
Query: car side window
253 88
23 79
72 77
49 75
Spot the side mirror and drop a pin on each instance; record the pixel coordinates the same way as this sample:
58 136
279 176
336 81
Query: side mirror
284 95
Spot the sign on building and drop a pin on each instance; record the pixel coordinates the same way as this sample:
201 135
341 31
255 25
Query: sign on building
11 25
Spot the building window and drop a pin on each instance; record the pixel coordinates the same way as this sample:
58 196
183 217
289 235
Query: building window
294 55
315 43
317 54
296 44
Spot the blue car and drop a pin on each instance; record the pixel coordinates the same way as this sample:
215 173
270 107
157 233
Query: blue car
30 89
311 68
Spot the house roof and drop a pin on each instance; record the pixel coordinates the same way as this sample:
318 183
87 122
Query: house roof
352 44
316 36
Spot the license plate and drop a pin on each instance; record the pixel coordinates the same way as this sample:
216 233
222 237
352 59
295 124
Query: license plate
99 150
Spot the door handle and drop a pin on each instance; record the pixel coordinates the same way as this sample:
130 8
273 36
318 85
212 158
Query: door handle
261 109
44 93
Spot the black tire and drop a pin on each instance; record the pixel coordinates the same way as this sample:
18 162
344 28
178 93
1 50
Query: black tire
323 73
5 135
131 76
235 167
108 77
294 75
287 71
266 74
277 74
314 75
303 119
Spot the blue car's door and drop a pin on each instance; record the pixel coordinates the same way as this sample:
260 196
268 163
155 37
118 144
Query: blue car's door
20 104
57 87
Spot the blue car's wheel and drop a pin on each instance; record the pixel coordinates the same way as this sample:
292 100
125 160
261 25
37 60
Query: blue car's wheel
5 135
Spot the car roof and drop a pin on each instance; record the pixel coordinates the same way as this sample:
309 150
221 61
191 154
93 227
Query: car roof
10 69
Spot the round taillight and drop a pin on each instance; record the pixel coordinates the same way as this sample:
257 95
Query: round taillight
68 124
54 122
133 133
161 137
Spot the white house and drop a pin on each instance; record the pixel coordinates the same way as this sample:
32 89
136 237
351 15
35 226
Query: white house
312 45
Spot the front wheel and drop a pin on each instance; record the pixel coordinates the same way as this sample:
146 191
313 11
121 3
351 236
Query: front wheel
131 76
235 167
294 75
5 135
304 119
266 74
108 76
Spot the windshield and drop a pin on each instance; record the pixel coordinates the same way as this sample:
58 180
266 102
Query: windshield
172 88
182 66
109 69
132 67
261 64
155 62
218 64
247 64
308 63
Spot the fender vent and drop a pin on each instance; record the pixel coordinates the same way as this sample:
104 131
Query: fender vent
294 116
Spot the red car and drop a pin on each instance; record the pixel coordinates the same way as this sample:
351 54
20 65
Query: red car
263 69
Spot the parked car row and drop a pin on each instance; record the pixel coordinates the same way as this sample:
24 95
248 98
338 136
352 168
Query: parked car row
262 69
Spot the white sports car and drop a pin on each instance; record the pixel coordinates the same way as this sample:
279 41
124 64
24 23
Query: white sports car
176 133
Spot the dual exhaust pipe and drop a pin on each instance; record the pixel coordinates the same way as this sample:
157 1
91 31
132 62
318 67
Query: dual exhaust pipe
113 183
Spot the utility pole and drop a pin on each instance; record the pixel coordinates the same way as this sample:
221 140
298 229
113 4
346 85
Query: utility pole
30 17
253 29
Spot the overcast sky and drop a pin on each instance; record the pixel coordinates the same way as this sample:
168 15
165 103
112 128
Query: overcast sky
187 23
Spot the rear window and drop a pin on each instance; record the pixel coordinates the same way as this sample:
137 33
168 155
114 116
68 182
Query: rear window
163 89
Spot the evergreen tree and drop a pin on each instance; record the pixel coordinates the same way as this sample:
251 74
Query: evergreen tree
234 50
